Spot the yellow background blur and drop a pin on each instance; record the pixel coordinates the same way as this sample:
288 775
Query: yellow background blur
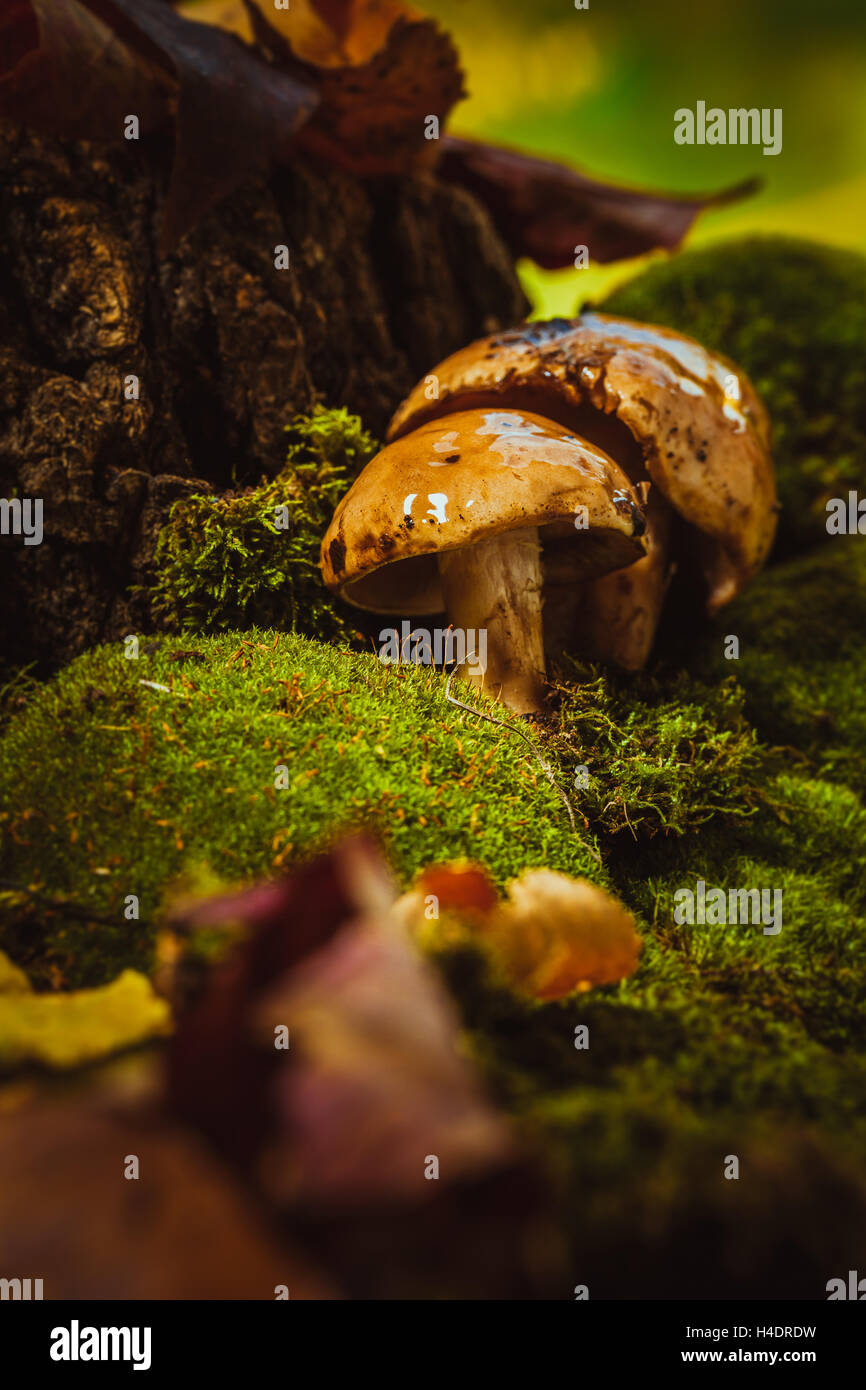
598 89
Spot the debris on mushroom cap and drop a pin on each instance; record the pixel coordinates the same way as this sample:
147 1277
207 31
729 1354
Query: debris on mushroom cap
451 484
552 936
702 431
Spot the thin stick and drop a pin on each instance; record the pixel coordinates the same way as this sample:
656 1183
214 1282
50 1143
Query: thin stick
166 690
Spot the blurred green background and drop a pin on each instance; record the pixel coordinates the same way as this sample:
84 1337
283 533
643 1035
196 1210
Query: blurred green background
598 89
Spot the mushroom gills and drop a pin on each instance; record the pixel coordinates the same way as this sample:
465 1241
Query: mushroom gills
495 586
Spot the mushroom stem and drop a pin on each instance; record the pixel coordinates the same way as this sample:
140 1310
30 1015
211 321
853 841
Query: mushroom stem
621 610
494 586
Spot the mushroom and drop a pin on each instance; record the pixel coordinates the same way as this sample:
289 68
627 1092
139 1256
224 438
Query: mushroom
674 416
495 516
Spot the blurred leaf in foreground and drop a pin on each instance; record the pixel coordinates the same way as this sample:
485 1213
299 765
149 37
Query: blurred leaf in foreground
70 1030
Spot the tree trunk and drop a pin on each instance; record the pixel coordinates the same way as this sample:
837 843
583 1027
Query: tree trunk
383 281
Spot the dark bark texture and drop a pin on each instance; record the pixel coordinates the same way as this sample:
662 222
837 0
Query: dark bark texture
384 280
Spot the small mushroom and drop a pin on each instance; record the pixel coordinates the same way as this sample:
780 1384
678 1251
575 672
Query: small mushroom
497 517
673 415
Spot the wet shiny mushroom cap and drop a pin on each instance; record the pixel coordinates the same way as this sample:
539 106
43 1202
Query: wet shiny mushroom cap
660 403
473 476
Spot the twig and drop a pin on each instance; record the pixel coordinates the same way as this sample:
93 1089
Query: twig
155 685
65 905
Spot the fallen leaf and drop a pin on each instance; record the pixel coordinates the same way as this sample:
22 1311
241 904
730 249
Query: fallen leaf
182 1229
551 936
545 210
12 980
46 45
70 1030
232 112
219 1078
458 887
380 75
372 1079
350 81
369 1137
557 934
378 1081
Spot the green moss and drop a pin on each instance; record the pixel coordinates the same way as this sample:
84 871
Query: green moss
793 314
726 1040
330 436
252 558
112 788
746 774
15 691
663 754
802 663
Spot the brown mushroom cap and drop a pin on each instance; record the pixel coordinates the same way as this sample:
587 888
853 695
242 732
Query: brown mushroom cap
701 429
475 475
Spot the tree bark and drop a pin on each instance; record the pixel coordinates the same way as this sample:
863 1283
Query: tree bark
384 280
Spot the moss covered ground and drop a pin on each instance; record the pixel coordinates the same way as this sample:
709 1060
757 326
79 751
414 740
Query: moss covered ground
113 787
745 773
725 1041
251 558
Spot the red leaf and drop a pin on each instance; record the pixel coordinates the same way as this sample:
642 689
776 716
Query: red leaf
459 887
378 1080
544 210
372 118
373 1078
235 114
337 14
219 1078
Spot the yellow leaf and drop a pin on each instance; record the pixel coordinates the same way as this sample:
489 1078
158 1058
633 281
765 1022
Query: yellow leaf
70 1030
12 980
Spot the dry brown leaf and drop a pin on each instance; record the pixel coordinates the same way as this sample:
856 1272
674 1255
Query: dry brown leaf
326 33
77 68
